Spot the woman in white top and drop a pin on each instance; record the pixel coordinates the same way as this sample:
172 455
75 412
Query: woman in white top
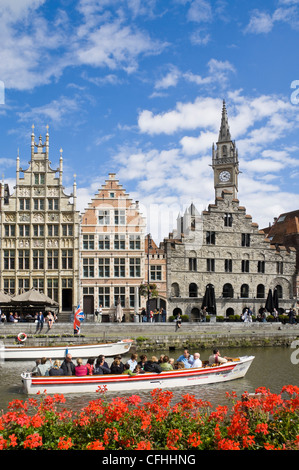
132 362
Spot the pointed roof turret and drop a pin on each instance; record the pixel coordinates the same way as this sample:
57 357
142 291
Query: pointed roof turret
224 132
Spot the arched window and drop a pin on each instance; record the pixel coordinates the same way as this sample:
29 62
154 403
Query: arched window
244 291
227 291
260 291
175 290
192 290
279 291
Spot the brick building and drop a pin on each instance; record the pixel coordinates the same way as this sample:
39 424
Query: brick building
112 252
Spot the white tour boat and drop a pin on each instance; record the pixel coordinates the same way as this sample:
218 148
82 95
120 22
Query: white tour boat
25 353
233 369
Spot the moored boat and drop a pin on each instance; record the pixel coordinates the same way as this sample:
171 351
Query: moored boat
234 369
25 353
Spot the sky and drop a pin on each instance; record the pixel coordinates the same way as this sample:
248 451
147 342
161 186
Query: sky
136 88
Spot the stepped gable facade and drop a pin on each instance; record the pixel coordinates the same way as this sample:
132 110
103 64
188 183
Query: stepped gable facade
112 262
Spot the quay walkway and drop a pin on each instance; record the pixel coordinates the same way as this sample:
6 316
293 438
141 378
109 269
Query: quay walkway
158 336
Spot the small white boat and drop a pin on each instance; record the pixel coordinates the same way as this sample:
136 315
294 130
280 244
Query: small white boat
25 353
231 370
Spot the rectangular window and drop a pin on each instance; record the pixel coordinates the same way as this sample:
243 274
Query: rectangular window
104 296
119 294
53 204
9 259
228 220
38 230
279 267
52 289
24 230
192 264
9 286
210 238
261 266
38 284
53 230
134 267
156 273
39 178
67 259
52 259
245 266
38 259
245 239
228 265
88 267
104 267
38 204
24 284
67 230
23 259
9 230
119 217
210 264
132 297
104 242
104 217
134 242
119 267
88 242
24 204
119 242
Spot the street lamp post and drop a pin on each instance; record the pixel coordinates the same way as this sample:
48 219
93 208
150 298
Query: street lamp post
149 246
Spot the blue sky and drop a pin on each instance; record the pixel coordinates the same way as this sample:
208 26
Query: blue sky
136 88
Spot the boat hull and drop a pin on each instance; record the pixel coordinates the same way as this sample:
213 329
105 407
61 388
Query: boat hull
24 353
148 381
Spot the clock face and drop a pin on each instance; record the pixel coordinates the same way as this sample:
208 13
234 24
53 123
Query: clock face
224 176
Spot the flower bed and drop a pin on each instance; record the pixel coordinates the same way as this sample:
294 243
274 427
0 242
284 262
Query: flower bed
255 421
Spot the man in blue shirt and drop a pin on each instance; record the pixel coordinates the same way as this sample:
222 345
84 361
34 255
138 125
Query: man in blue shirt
186 358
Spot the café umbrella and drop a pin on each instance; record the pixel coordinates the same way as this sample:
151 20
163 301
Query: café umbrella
209 300
269 302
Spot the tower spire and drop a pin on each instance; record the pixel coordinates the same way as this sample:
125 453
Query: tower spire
224 132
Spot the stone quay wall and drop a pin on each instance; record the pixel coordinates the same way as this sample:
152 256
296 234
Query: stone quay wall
157 336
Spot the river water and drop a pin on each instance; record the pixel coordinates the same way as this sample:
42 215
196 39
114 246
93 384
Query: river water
273 367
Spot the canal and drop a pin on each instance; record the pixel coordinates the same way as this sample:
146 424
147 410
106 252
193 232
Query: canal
272 368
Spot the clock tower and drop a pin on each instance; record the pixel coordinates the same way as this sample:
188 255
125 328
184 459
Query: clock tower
225 160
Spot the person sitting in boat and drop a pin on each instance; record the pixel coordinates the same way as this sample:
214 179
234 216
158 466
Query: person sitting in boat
215 358
90 365
179 365
56 369
186 358
35 370
44 367
143 360
127 370
68 366
197 362
117 367
165 364
132 362
152 366
138 370
101 367
80 368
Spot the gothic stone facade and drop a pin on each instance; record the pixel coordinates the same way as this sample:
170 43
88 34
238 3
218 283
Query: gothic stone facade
225 248
112 252
40 232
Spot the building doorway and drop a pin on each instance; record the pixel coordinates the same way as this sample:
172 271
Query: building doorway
88 304
67 300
